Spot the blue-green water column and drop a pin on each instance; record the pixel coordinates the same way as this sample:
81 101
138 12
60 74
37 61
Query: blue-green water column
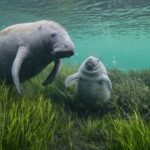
125 51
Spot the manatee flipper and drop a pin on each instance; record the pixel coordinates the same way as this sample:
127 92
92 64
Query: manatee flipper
52 76
71 79
22 53
104 79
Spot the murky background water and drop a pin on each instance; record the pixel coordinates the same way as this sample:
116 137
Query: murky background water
117 31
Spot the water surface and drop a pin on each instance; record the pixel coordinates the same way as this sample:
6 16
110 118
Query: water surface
116 31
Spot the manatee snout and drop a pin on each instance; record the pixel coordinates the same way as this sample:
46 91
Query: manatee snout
90 64
64 50
62 54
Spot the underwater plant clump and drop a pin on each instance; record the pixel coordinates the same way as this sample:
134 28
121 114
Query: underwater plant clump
53 118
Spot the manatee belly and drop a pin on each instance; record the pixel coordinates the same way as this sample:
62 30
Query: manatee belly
92 92
30 67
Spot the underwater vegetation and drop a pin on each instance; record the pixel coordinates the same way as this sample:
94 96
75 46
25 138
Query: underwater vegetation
52 118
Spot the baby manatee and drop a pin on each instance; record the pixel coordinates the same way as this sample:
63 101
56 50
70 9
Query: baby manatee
93 85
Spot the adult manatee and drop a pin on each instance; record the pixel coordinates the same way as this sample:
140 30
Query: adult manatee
93 84
26 49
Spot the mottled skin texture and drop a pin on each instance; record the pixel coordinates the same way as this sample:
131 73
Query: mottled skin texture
26 49
92 82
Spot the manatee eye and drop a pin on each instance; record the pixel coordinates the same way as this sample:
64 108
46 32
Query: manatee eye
97 60
53 35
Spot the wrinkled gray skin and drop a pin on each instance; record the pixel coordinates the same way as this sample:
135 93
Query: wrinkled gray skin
26 49
92 82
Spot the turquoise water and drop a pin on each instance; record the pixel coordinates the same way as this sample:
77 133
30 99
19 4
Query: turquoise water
117 31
